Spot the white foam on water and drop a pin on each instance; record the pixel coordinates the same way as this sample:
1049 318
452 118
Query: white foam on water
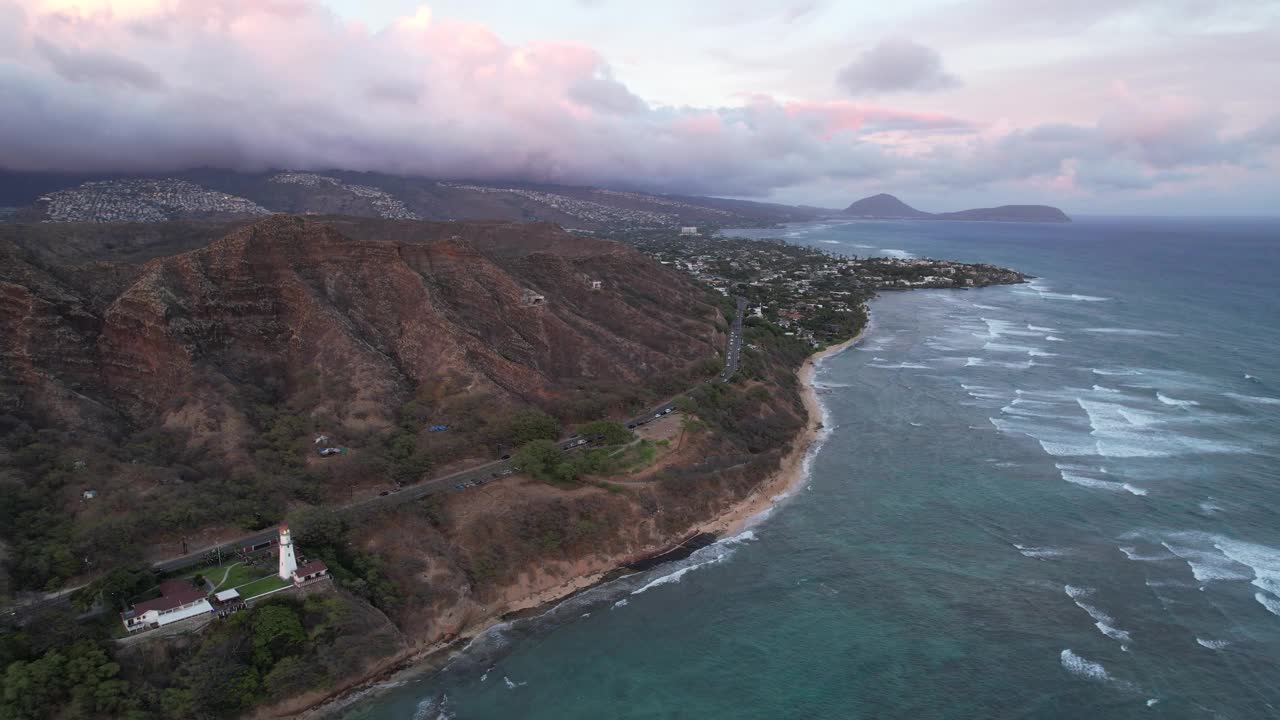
997 328
1040 353
1125 432
712 554
830 242
1213 644
1256 399
1104 622
1209 508
1151 702
1270 603
1042 291
900 366
1099 388
620 603
1133 554
1115 372
896 253
1174 401
1053 338
979 362
1133 332
985 307
512 685
1080 475
1038 329
427 709
1207 563
1041 553
1263 560
1082 668
1006 347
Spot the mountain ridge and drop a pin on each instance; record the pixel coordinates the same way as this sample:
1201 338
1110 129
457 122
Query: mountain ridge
884 205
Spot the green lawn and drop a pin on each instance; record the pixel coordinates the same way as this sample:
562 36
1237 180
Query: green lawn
261 586
238 575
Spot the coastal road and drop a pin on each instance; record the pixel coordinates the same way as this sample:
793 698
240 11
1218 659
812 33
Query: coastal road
463 479
735 342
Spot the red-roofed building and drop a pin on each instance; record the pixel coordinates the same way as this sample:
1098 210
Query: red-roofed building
178 600
310 572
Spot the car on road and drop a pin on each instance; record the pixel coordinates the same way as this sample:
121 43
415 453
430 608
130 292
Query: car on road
507 456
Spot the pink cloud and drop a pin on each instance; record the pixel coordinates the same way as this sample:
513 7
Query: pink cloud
252 84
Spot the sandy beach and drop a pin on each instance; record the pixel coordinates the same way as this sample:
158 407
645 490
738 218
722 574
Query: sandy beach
733 520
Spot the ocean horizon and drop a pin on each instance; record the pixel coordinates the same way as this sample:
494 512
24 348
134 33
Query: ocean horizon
1056 499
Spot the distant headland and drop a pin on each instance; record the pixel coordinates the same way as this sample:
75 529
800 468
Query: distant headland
888 206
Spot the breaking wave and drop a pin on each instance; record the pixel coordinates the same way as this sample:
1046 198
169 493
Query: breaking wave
1082 668
1104 622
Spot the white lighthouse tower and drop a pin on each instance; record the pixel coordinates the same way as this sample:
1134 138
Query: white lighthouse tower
288 561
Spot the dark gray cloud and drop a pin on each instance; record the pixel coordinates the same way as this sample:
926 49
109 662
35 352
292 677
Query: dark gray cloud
98 66
895 65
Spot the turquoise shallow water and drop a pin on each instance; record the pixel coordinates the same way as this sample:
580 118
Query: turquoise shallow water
1055 500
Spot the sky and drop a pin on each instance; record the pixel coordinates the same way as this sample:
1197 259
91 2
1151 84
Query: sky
1096 106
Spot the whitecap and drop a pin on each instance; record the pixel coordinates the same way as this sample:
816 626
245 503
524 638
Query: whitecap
1133 554
900 366
1077 475
830 242
1082 668
1040 553
1174 401
1254 399
620 603
1213 644
1115 371
1104 622
896 253
512 685
1135 332
1269 603
1053 338
1207 564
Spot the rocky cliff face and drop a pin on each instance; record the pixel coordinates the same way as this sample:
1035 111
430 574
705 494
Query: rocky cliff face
356 316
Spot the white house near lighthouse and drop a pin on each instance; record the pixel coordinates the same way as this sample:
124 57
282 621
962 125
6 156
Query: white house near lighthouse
288 560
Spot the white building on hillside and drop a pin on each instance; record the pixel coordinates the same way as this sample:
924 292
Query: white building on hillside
692 230
178 600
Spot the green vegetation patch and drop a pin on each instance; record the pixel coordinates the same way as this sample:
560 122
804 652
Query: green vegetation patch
262 586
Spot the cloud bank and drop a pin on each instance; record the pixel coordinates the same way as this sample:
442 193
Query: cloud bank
159 85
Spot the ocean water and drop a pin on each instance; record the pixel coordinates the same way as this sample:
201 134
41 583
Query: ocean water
1056 500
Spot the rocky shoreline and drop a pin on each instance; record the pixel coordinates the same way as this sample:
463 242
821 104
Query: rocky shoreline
416 662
